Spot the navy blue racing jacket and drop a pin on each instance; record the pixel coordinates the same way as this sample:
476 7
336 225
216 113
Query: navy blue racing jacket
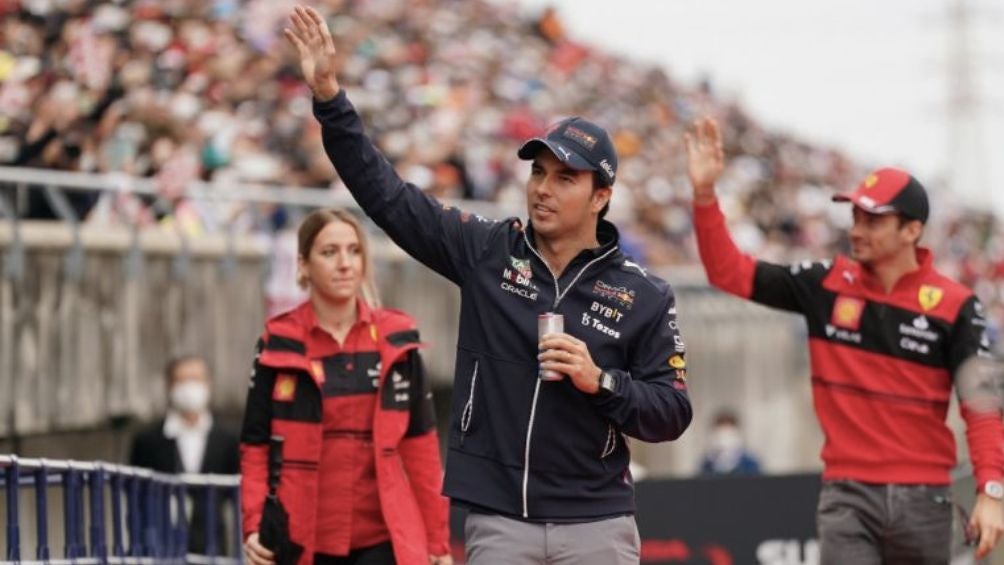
530 449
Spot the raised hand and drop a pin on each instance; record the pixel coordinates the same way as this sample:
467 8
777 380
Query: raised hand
705 158
312 39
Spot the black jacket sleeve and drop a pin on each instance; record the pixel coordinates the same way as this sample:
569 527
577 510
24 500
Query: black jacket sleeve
257 425
443 238
788 287
422 409
969 336
650 401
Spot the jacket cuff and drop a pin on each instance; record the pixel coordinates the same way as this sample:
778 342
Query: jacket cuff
984 477
439 548
331 108
605 397
708 213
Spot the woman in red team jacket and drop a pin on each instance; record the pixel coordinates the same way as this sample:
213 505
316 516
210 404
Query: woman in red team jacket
341 380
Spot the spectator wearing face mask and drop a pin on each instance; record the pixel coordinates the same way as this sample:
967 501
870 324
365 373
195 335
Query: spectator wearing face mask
726 453
188 440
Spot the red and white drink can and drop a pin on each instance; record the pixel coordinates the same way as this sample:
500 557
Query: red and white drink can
549 323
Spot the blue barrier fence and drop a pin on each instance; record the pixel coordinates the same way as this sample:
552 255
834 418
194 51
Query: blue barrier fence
116 513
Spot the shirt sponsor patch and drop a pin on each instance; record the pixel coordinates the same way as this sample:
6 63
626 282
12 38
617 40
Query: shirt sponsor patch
517 279
842 334
598 325
619 294
285 388
920 328
678 343
847 312
608 312
677 362
929 296
522 267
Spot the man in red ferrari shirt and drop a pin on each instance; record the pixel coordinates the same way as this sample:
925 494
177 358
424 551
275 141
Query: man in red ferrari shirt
887 336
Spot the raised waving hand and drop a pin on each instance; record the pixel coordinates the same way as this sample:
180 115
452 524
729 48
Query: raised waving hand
316 48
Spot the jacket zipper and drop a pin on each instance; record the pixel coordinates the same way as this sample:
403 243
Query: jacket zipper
558 296
468 413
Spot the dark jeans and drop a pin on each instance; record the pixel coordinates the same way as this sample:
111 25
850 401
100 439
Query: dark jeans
889 524
381 554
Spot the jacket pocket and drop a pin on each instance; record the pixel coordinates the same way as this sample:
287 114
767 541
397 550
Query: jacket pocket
610 442
467 414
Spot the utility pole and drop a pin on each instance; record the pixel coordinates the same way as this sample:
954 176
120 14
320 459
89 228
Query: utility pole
969 174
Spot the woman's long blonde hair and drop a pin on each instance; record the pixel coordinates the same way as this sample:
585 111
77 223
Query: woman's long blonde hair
313 224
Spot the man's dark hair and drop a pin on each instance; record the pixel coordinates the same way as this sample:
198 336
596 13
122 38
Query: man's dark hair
902 221
598 183
172 365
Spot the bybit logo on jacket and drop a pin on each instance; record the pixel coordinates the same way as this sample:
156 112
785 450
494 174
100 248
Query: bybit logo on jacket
517 279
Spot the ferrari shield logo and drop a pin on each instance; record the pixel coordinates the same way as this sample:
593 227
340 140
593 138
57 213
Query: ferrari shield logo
929 296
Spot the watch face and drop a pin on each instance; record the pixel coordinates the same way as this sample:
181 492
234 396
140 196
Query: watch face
607 382
994 489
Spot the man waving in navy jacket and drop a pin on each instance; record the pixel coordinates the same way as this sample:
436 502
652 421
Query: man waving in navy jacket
541 465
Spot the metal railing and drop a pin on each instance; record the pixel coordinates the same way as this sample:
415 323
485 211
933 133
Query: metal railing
116 513
17 182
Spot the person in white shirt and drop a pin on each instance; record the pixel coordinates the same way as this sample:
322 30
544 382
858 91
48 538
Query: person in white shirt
188 440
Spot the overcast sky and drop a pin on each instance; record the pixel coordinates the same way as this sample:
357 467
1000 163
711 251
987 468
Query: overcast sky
870 77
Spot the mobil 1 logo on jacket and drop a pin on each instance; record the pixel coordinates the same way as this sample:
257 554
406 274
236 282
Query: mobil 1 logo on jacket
517 279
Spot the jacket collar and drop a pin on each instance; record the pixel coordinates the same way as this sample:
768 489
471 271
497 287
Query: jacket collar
307 318
853 274
925 264
175 424
606 234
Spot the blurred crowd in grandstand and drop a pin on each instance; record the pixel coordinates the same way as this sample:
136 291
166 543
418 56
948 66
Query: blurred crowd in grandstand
206 89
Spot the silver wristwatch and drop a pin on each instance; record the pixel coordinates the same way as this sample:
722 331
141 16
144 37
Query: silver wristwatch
608 385
994 489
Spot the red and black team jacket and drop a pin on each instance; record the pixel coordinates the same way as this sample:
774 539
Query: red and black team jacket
287 397
882 364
